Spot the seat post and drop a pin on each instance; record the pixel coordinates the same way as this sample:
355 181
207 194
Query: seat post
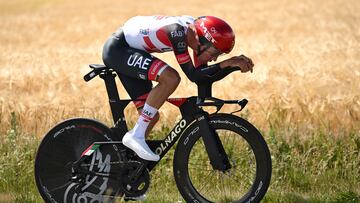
117 109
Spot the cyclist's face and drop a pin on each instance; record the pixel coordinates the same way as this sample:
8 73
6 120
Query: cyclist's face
207 54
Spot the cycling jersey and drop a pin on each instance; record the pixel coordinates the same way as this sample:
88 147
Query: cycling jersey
162 34
156 33
128 51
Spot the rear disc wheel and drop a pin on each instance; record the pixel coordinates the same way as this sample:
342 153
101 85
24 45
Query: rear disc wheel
65 144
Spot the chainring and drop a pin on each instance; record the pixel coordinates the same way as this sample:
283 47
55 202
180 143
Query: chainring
134 188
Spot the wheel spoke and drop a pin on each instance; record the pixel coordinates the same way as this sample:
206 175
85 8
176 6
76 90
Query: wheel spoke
226 139
223 187
235 178
60 187
207 180
200 169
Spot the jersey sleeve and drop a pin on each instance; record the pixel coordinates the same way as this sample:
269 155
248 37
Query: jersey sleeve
177 38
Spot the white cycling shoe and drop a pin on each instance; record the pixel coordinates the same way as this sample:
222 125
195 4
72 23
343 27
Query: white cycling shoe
140 147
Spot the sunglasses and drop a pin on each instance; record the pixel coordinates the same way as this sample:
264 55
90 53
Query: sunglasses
209 47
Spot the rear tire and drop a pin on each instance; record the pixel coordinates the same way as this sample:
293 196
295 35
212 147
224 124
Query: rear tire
61 147
247 151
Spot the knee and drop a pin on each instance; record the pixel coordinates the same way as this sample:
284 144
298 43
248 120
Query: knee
170 78
175 79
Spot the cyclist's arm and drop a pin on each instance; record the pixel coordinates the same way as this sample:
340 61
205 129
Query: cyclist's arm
180 48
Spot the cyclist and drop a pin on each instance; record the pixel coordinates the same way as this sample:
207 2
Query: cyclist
128 52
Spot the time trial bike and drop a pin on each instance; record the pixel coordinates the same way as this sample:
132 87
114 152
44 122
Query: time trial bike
219 157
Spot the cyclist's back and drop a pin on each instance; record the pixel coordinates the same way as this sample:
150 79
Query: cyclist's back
150 33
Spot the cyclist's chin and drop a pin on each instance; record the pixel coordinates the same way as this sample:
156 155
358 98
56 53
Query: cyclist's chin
204 60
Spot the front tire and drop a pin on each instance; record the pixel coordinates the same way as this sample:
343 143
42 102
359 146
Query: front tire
247 151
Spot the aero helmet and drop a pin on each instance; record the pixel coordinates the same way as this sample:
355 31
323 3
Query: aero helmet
215 31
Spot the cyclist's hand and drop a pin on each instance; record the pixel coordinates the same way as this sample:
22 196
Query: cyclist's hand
243 62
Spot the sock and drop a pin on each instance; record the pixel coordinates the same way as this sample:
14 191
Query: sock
141 125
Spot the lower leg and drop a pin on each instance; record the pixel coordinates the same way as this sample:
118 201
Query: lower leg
158 95
135 139
151 124
168 81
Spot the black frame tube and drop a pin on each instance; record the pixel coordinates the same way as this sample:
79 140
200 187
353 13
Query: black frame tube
190 111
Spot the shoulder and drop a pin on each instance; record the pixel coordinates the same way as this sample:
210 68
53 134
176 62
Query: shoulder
174 30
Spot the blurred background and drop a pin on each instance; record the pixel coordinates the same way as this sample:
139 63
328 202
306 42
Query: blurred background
306 55
305 81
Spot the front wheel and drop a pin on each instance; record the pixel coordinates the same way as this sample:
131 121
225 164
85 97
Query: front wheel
249 176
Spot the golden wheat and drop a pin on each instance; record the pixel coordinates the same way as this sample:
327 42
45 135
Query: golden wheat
306 55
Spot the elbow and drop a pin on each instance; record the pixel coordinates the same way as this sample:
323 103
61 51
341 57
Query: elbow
195 76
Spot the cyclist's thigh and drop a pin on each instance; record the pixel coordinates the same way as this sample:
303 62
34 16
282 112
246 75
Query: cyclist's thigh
136 88
131 62
136 68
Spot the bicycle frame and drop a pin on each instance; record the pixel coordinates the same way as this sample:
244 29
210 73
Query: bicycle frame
191 113
190 109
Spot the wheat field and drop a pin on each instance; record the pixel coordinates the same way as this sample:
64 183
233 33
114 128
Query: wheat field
305 84
306 55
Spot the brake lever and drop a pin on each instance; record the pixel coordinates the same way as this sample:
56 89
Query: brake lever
215 102
242 103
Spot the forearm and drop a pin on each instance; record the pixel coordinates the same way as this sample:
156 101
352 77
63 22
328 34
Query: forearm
224 64
200 73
